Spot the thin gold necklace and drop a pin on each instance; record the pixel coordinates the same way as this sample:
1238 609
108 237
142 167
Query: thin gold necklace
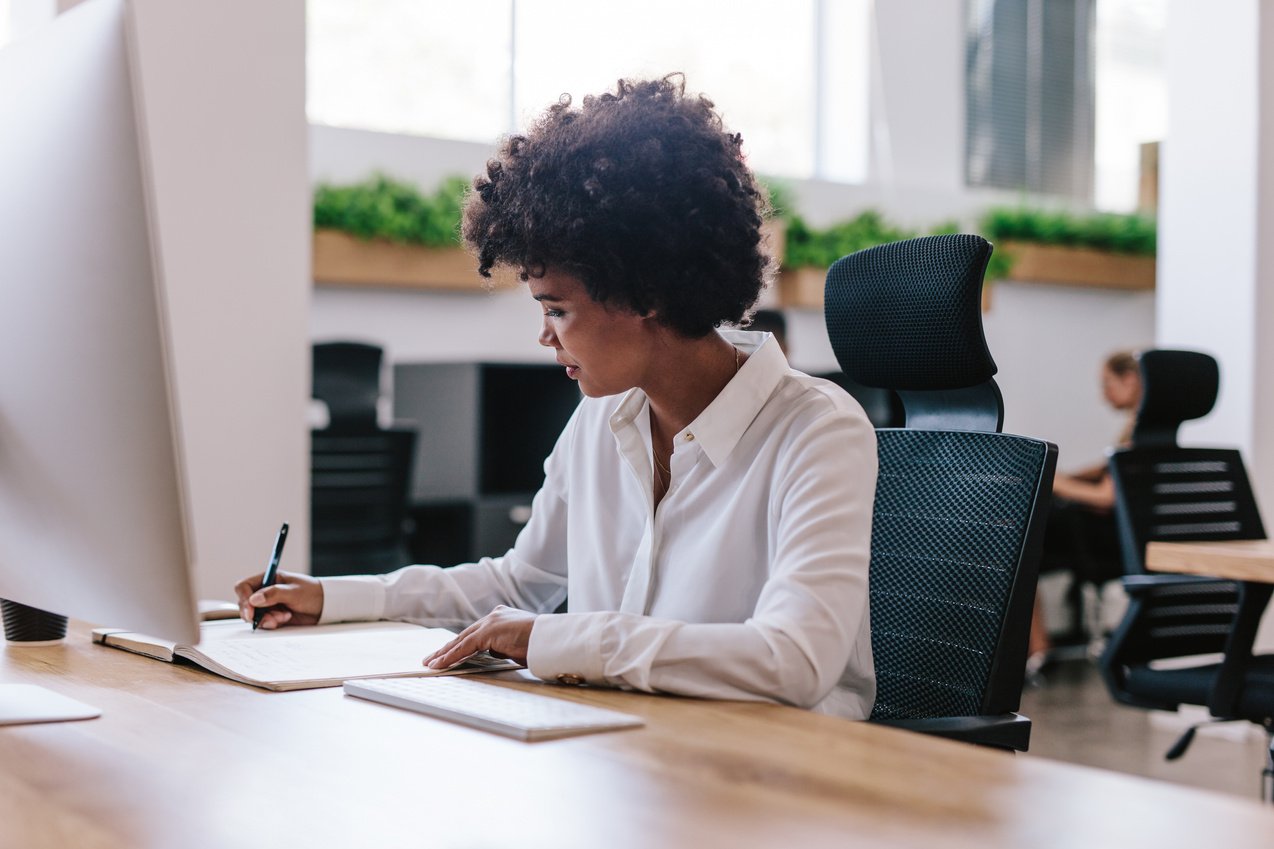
659 466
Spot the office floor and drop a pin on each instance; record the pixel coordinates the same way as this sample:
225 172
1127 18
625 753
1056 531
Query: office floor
1075 720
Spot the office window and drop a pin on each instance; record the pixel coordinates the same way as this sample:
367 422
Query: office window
791 77
1132 95
1029 87
406 66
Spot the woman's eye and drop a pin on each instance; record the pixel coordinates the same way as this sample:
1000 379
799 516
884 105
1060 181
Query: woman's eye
553 313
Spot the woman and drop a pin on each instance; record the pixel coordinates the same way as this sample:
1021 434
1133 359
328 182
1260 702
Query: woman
707 507
1081 537
1121 387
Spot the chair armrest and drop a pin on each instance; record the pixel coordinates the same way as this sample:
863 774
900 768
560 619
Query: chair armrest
1141 584
1003 731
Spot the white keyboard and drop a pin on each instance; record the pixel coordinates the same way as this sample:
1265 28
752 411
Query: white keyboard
514 713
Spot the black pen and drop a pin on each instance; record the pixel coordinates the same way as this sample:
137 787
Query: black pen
271 571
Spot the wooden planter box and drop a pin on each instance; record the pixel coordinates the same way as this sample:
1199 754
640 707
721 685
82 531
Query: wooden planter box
1079 266
344 260
340 259
801 288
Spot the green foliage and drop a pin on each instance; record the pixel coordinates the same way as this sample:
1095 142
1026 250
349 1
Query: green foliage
1129 234
383 208
1126 234
821 248
998 266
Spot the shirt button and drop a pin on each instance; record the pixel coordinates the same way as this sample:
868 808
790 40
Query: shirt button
570 679
690 437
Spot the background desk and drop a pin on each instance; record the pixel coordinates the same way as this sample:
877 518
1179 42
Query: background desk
1237 560
182 758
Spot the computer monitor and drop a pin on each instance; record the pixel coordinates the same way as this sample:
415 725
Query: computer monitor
93 516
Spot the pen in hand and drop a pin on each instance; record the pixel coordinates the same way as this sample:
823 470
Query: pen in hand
271 571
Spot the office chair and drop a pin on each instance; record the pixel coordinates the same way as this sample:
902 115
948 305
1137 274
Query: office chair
1164 492
960 507
360 474
358 500
347 379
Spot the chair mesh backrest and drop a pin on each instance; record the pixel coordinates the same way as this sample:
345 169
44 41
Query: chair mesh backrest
1169 494
358 500
908 315
1172 494
951 565
1180 620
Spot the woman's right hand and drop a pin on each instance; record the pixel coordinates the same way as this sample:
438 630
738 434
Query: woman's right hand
293 599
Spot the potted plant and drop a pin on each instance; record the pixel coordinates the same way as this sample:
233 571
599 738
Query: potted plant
1113 251
809 251
384 232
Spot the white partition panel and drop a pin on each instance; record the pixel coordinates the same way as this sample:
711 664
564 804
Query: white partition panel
222 95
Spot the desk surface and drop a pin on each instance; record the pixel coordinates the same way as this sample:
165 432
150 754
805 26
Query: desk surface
1237 560
183 758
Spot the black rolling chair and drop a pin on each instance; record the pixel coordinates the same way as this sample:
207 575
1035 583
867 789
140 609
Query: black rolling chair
1164 492
360 474
358 500
347 379
960 507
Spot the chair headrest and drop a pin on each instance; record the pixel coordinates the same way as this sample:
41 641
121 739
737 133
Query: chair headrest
907 315
347 379
1176 386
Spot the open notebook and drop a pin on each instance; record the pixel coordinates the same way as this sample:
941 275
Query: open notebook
305 657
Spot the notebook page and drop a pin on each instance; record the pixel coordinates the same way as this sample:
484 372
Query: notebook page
237 629
312 655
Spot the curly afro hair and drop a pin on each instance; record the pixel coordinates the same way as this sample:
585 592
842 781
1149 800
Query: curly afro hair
641 194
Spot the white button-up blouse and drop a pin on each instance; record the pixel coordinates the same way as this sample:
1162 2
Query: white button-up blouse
748 582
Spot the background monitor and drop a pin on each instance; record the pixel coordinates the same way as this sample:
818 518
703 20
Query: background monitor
93 518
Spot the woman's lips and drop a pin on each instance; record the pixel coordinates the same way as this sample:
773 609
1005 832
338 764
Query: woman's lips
572 372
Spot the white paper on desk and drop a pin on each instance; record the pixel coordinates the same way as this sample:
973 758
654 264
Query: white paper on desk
280 658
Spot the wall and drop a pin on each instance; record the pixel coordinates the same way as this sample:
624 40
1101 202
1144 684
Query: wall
1049 343
1208 197
1216 255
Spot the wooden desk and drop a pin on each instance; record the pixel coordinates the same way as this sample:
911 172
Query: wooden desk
181 758
1238 560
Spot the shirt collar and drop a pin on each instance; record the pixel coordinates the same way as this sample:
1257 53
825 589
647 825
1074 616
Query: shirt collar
721 425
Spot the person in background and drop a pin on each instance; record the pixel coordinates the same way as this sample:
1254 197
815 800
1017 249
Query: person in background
1080 537
707 510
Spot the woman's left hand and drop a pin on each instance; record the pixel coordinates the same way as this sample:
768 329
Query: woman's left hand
504 632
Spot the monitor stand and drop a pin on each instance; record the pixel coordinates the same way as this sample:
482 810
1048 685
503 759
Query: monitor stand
29 627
